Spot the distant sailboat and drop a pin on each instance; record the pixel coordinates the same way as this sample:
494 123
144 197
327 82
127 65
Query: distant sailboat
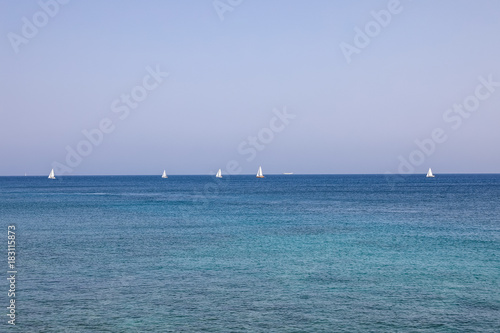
164 174
429 174
219 174
259 173
52 175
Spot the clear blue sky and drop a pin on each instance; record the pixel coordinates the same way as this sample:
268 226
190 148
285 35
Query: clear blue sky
227 76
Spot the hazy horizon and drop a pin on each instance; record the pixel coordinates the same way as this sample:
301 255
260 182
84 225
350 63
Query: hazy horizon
129 88
253 174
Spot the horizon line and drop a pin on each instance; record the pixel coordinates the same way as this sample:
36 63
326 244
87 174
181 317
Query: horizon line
269 174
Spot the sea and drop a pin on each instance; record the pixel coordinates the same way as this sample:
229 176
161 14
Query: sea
287 253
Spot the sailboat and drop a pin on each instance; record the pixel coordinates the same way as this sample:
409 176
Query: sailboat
219 174
52 175
164 174
259 173
429 174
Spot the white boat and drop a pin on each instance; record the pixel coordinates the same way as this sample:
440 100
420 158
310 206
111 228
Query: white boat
429 174
219 174
52 175
288 173
164 174
259 173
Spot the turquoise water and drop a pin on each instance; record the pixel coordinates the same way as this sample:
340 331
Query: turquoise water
284 254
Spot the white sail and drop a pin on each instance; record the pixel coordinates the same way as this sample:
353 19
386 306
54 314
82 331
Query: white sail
219 174
164 174
52 175
259 173
429 174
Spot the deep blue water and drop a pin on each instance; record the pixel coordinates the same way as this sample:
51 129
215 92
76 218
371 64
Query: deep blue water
281 254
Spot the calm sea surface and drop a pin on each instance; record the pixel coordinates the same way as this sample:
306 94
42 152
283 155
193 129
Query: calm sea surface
281 254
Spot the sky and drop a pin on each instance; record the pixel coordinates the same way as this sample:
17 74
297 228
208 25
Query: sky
123 87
